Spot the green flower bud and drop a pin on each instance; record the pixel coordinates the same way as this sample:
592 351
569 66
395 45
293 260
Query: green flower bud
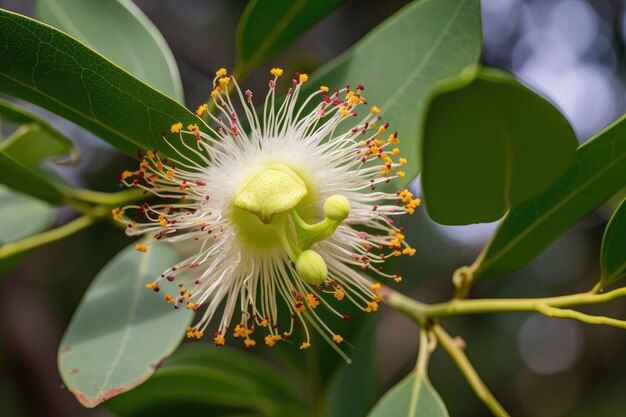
311 267
337 208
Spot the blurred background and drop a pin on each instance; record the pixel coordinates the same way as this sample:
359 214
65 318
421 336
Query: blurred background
571 51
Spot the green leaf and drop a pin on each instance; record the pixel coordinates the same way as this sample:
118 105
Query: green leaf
490 144
23 153
401 61
613 252
48 68
358 379
268 26
121 331
414 396
22 216
598 172
204 377
120 31
52 145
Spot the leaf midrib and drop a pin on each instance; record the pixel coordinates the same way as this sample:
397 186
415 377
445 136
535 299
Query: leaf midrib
141 272
425 60
278 28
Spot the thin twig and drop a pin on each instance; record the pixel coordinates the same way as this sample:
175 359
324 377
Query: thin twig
468 371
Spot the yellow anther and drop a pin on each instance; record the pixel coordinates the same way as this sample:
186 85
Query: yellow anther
324 89
144 165
305 345
170 174
337 338
219 341
224 81
304 78
409 210
240 331
169 298
264 323
371 307
395 151
201 109
408 251
397 253
376 286
150 285
249 343
141 248
117 213
190 305
378 297
193 128
221 72
393 139
127 174
339 294
382 130
344 112
163 221
177 127
312 300
213 93
398 279
150 154
276 72
400 174
374 110
269 340
402 161
300 307
362 143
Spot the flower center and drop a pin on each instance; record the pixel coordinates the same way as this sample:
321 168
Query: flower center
265 208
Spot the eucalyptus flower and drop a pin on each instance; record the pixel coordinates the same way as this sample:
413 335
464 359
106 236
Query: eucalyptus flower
287 216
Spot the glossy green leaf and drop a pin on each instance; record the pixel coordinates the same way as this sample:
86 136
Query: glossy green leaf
121 331
23 153
598 172
402 60
414 396
613 252
203 377
490 143
48 68
268 26
120 31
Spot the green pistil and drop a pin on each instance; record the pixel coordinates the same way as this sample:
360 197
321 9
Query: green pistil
272 196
